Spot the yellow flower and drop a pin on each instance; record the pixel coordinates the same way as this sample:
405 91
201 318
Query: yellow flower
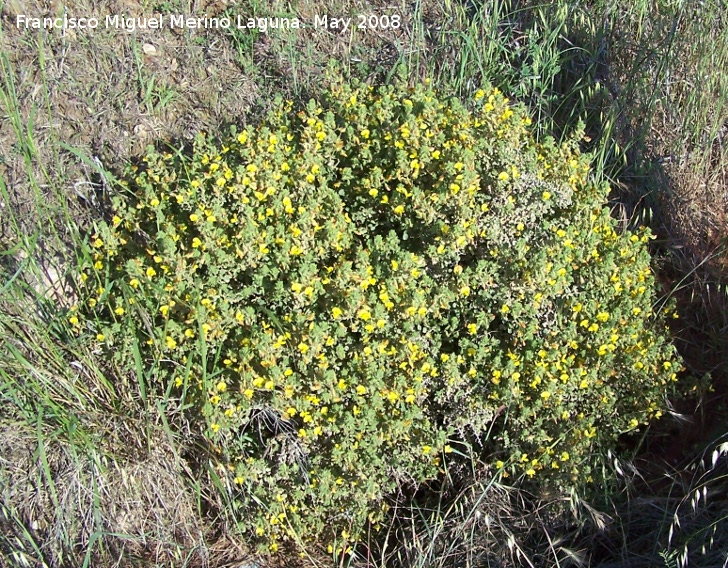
546 195
503 176
364 314
151 272
119 311
221 386
336 313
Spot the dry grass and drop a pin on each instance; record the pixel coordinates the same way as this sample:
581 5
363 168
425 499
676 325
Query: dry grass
101 479
102 94
107 510
488 523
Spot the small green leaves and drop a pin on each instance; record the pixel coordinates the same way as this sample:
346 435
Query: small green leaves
347 288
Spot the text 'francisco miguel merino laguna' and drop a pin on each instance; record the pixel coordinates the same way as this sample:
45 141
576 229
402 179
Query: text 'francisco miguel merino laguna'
171 21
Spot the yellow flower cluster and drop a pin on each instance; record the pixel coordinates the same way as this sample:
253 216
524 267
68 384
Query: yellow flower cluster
340 294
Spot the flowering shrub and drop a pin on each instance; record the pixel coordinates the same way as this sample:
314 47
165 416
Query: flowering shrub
346 294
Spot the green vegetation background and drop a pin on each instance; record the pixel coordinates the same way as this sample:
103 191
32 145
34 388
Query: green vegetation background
96 471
